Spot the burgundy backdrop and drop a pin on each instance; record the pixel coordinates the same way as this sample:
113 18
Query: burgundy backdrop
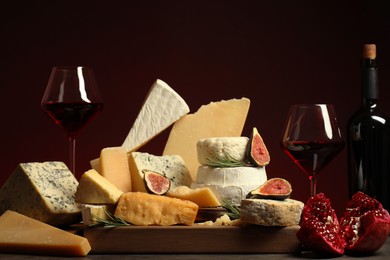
275 53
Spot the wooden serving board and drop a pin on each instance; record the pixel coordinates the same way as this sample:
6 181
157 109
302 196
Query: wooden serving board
193 239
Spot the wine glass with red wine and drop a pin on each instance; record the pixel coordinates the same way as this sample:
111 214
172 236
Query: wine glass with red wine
72 100
312 138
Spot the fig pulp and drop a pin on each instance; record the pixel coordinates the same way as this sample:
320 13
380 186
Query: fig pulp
365 225
156 183
275 188
320 227
257 153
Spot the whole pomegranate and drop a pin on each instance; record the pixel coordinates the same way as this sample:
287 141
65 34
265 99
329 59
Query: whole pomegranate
320 229
365 225
363 229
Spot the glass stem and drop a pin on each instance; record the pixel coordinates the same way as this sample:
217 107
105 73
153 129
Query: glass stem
313 184
72 154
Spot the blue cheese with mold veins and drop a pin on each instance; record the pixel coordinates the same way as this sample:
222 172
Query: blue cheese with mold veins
43 191
171 166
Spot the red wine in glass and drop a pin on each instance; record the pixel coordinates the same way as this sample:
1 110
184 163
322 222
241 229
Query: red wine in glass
72 100
312 138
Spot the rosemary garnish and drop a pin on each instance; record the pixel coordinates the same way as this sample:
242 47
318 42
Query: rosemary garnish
225 162
234 211
112 221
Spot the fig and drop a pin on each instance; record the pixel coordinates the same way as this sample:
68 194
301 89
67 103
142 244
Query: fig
275 188
156 183
320 228
256 152
365 225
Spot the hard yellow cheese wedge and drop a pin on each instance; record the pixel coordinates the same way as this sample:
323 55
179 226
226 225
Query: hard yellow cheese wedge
217 119
23 235
95 189
143 209
203 197
114 167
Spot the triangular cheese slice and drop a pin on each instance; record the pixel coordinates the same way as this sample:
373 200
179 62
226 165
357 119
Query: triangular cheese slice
95 189
24 235
217 119
162 107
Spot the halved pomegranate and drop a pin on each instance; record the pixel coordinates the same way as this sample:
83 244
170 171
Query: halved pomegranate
320 227
365 225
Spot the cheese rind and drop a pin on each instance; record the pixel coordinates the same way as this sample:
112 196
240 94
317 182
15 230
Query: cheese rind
24 235
267 212
95 189
221 148
162 107
114 166
43 191
217 119
145 209
171 166
231 176
203 197
232 193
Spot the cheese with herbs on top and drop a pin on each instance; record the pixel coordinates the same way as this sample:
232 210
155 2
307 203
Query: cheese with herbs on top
143 209
216 149
20 234
217 119
171 166
114 166
95 189
91 213
203 197
268 212
43 191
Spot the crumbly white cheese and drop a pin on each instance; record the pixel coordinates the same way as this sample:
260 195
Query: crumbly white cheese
232 193
43 191
221 148
162 107
267 212
231 175
171 166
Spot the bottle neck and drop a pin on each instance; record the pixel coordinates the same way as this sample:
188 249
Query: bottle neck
370 87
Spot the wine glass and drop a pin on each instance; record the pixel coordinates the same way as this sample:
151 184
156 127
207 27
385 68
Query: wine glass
72 99
312 138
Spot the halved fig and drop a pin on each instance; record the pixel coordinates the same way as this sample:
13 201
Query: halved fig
275 188
256 152
156 183
365 225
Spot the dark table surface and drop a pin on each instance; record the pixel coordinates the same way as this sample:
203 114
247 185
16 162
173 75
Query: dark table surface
383 253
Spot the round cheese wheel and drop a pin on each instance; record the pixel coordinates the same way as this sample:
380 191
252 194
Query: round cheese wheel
231 176
221 148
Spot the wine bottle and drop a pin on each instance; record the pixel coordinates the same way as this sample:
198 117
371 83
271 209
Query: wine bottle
369 137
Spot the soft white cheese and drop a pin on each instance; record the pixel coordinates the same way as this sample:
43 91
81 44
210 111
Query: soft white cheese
231 175
43 191
221 148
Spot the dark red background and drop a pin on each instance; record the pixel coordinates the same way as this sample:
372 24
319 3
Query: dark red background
274 52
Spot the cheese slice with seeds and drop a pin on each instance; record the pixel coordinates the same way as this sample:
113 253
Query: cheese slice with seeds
217 119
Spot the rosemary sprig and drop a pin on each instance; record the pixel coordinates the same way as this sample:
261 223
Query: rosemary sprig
225 162
234 211
112 221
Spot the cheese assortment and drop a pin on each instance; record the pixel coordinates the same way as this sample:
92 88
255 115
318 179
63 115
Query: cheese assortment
43 191
225 169
171 166
217 119
24 235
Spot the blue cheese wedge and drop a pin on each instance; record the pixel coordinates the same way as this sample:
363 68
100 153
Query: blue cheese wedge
43 191
171 166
